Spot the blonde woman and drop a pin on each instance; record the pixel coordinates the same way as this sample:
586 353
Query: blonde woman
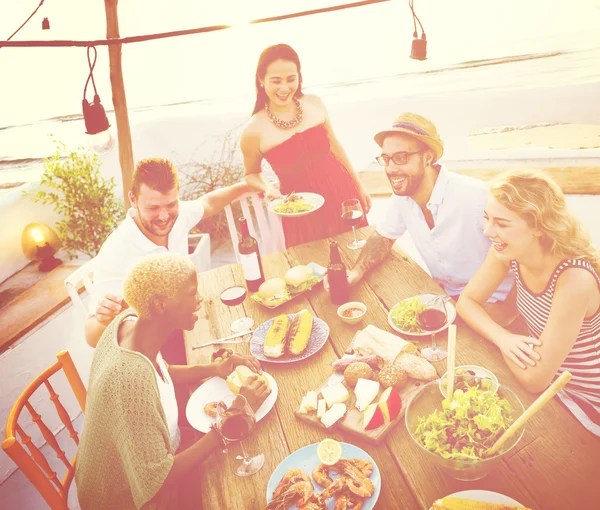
128 455
557 274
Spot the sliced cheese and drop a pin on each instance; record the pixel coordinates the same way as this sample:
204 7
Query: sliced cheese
335 394
373 340
310 400
365 391
302 409
321 408
334 414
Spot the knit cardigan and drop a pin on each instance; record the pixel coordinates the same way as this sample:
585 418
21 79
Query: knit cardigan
125 452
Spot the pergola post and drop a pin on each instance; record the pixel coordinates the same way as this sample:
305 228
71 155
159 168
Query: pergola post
118 98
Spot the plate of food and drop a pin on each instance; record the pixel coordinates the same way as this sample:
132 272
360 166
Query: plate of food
289 337
298 279
201 409
403 316
356 472
459 501
296 205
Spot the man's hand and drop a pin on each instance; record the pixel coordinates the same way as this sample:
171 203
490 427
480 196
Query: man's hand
517 349
109 307
256 391
352 276
225 367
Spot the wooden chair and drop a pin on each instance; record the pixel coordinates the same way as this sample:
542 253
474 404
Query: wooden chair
85 275
33 464
270 232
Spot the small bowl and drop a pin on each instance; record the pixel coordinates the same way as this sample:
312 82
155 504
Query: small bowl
352 304
471 371
429 399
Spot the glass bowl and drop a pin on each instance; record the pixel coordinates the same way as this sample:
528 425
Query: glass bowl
428 400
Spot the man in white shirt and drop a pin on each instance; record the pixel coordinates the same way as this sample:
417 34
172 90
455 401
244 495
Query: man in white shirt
442 210
157 222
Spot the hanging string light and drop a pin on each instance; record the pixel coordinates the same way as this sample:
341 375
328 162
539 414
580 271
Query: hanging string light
418 50
100 139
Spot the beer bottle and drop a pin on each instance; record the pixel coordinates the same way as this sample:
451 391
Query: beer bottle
336 274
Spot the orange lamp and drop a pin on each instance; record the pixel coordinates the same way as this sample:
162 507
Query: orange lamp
40 242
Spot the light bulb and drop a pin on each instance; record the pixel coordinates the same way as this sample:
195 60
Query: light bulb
101 143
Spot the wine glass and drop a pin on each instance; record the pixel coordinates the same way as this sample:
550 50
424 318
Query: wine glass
233 296
352 214
431 319
235 421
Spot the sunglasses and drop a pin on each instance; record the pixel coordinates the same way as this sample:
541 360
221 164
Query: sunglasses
400 158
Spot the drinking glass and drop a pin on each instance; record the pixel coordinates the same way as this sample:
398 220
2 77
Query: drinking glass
352 214
431 319
233 296
235 421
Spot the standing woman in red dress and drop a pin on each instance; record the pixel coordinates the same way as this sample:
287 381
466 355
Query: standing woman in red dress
293 133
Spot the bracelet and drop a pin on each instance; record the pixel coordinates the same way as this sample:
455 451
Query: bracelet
219 435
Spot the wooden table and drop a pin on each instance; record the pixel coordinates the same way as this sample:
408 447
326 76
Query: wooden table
555 465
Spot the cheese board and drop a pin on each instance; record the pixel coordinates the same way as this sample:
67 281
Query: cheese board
367 395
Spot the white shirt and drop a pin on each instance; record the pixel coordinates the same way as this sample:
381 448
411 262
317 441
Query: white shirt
168 401
127 244
455 248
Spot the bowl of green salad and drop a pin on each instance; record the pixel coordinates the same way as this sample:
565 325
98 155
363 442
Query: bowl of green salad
457 434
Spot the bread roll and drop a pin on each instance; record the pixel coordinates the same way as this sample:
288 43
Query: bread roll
416 367
394 376
356 371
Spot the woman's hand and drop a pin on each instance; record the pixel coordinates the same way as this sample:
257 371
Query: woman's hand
225 367
272 191
256 391
517 349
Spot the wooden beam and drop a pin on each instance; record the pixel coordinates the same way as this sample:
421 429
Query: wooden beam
574 180
119 99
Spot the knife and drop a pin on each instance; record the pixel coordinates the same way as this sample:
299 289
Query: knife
226 340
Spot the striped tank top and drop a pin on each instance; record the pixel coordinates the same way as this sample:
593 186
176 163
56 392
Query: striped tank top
582 394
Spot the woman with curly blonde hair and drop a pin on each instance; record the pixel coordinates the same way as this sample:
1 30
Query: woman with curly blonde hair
557 275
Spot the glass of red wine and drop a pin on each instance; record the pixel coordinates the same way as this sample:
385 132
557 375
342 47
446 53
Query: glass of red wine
352 215
235 421
233 296
431 319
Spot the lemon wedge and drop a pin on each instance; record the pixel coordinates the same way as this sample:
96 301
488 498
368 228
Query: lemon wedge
329 451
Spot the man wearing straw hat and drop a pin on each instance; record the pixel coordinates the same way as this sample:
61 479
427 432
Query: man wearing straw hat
442 210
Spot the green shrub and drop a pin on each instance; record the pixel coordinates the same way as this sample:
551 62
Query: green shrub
72 183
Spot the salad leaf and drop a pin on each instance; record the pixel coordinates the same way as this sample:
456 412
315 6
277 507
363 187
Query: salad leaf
305 285
467 426
405 313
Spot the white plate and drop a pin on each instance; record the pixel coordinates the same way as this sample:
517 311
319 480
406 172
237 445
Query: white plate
450 313
485 496
314 199
318 337
216 389
306 459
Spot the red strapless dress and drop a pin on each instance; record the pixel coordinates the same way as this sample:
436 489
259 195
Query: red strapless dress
305 162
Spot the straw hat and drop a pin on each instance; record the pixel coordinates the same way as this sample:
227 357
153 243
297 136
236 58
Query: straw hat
418 127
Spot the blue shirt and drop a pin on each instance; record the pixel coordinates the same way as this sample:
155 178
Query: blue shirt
455 247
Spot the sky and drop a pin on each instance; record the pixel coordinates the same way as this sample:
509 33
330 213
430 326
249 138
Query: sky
345 46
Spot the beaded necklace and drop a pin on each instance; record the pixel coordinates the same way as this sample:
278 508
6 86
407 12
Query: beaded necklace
286 124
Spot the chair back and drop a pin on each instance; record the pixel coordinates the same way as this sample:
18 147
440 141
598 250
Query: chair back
85 275
201 254
34 464
270 231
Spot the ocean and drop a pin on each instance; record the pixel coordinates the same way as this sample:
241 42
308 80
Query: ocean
347 56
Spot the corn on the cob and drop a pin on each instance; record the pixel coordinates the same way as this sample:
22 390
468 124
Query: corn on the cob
468 504
300 332
276 337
